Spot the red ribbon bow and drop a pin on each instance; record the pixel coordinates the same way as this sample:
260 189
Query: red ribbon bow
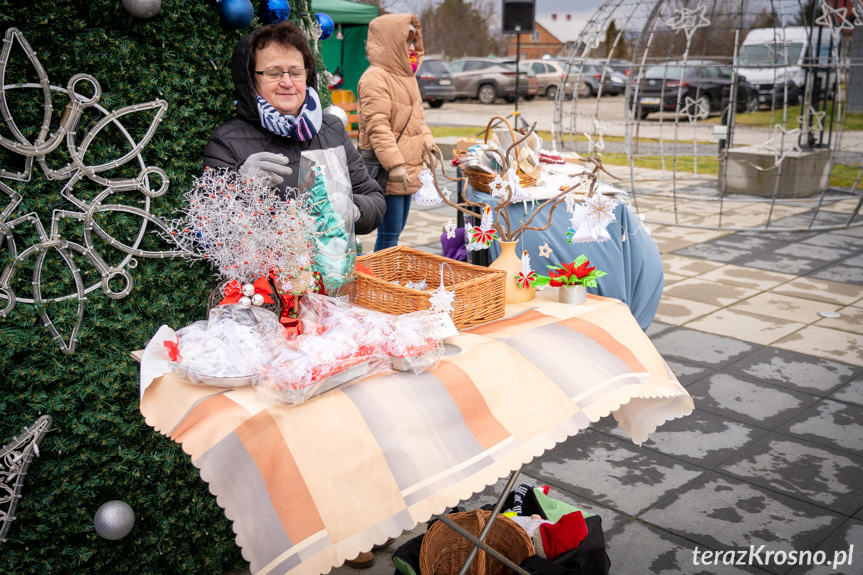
234 291
173 348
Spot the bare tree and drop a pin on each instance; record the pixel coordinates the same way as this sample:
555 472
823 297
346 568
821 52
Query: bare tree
457 28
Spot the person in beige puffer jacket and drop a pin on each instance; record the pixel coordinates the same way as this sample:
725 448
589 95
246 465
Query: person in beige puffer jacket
389 105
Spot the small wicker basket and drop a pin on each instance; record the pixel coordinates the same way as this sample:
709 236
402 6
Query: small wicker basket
479 291
443 551
480 180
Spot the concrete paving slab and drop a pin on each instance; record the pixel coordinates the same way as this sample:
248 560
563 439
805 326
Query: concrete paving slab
750 243
685 266
613 472
714 252
852 392
679 311
638 547
755 403
754 328
821 290
726 513
747 277
713 293
841 273
688 373
657 327
821 476
701 438
794 370
851 319
781 263
701 348
824 342
831 240
811 251
840 556
785 307
856 261
831 423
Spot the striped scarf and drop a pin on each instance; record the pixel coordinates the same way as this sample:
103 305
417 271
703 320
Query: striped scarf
301 128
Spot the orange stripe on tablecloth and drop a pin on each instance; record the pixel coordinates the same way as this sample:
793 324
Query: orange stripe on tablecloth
208 423
606 340
494 328
286 487
487 430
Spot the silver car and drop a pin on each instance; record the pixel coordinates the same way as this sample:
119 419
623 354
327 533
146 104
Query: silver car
487 80
550 75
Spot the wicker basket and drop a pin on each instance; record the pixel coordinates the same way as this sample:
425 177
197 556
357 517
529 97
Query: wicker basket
444 551
480 180
479 291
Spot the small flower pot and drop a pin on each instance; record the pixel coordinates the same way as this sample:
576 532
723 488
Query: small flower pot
572 294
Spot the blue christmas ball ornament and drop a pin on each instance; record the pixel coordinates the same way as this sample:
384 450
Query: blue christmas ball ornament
327 25
272 11
236 13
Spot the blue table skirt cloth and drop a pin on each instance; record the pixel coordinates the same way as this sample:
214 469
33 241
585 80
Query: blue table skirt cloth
634 265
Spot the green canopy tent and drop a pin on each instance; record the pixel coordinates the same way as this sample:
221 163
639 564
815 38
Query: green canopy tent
348 53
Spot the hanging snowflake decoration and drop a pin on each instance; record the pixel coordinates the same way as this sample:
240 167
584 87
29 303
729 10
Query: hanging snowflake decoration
441 300
427 194
81 215
482 235
450 228
590 220
497 188
524 277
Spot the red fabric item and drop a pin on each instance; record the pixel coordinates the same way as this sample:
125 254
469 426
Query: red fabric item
544 489
566 534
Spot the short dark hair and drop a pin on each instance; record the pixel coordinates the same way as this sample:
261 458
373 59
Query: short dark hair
284 33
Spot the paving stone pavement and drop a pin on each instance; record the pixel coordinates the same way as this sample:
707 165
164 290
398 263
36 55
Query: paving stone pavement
772 456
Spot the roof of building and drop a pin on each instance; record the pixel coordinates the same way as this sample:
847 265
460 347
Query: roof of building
561 28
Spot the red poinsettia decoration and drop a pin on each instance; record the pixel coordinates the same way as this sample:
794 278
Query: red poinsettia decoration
579 272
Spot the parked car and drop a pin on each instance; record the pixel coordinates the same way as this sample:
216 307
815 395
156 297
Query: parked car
486 79
703 88
435 82
590 72
550 75
525 72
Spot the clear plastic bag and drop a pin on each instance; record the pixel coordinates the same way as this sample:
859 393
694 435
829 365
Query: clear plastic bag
326 186
228 349
342 343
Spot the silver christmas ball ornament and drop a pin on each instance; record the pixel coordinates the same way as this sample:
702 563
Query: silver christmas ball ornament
257 299
338 112
245 302
114 520
142 9
248 289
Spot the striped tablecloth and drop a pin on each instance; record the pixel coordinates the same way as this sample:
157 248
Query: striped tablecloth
311 485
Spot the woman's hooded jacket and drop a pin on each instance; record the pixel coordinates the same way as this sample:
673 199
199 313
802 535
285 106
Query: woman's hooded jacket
237 139
390 99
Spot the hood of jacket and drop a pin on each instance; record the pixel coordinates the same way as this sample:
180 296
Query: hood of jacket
386 45
244 85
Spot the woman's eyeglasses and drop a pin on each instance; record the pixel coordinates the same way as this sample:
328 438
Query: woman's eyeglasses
275 75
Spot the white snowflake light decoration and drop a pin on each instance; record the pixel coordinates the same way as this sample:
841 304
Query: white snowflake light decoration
689 20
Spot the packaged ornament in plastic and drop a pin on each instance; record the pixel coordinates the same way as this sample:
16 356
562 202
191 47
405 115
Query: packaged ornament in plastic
326 184
229 349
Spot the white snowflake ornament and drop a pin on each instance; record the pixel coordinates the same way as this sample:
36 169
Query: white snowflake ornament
450 229
441 300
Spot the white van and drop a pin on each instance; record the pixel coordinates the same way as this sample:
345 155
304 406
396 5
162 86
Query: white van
766 65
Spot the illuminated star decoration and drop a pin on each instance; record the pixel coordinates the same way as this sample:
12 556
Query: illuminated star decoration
441 300
482 235
590 220
597 131
427 194
450 229
689 20
544 250
497 188
815 120
526 275
836 19
696 109
776 145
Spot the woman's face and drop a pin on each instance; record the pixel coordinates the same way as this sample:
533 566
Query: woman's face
286 94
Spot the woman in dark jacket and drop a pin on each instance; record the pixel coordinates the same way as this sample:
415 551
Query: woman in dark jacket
279 116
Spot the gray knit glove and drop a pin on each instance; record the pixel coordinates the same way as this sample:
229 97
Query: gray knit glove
267 164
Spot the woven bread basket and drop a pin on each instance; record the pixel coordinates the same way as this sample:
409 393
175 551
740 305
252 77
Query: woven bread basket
480 180
443 551
479 292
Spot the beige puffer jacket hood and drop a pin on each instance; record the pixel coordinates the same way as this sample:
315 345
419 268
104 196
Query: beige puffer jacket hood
390 99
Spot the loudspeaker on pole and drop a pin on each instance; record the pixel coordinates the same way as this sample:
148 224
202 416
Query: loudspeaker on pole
518 16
